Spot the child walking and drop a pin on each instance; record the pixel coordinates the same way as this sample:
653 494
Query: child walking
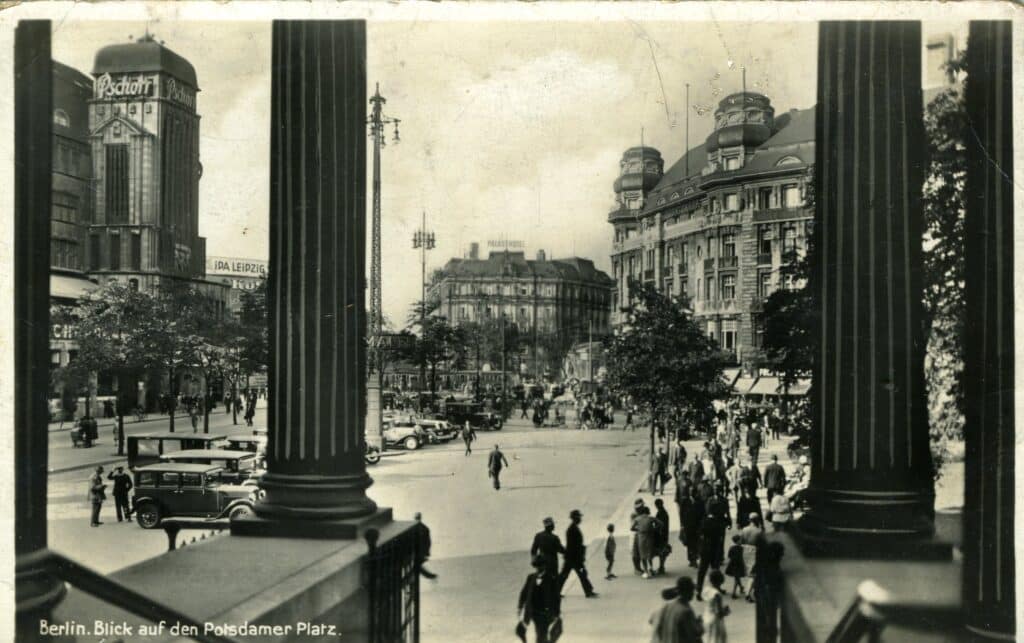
736 568
716 610
609 551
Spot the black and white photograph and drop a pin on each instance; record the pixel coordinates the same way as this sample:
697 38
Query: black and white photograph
483 322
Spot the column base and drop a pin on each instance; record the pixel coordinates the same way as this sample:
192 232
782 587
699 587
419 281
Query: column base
283 527
36 591
315 497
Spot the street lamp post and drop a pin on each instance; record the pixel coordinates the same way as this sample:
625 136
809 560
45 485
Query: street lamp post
374 419
424 240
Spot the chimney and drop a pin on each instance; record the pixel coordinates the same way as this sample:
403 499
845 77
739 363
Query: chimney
541 256
474 250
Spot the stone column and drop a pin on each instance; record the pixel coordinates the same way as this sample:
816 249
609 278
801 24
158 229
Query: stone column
317 370
871 484
988 536
36 591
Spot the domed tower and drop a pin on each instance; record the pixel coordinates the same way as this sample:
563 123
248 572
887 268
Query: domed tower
743 121
639 171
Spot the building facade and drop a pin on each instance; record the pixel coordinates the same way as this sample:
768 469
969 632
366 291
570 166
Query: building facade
237 273
567 297
718 226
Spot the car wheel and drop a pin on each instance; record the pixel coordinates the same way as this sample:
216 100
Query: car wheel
372 457
412 443
148 515
241 511
498 426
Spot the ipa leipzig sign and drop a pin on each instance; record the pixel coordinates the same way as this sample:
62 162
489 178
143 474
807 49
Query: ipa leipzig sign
236 267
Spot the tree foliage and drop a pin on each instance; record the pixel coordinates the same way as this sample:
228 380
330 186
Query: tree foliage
663 361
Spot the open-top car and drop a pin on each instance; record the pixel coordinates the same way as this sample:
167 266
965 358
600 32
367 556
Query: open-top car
147 449
173 489
235 466
406 434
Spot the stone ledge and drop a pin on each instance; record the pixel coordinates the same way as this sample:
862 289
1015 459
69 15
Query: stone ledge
232 579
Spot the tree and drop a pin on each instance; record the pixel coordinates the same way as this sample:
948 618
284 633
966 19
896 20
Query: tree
438 342
664 362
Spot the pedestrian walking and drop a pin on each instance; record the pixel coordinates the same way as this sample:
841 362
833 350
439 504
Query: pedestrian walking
646 535
774 479
662 548
494 464
736 567
468 435
629 420
750 479
659 472
691 520
753 442
547 545
193 415
525 406
712 537
748 505
716 610
96 496
675 621
423 546
609 552
768 591
634 549
540 603
122 485
780 512
576 555
732 478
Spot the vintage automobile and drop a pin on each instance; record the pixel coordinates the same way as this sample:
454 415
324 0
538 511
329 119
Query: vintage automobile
439 428
173 489
235 466
147 449
458 413
406 434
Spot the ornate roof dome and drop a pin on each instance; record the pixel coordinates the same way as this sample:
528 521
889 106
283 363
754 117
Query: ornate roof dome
143 55
743 118
640 169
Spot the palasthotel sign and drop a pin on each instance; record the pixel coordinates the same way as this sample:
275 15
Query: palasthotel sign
236 267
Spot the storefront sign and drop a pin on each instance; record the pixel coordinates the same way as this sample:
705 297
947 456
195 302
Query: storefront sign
62 331
180 93
123 87
235 266
505 244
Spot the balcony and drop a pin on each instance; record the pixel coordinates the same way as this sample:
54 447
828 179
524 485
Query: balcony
728 262
764 259
709 264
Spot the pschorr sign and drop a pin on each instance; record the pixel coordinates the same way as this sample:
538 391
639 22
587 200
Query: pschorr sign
123 86
236 266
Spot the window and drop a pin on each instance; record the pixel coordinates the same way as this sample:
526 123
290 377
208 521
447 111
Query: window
791 196
684 285
117 183
168 479
698 250
710 250
788 239
728 287
711 329
670 256
64 254
191 480
712 205
650 260
683 254
133 284
146 478
764 198
728 245
136 252
764 283
729 335
115 252
710 288
94 252
764 240
732 202
60 117
732 163
633 203
699 282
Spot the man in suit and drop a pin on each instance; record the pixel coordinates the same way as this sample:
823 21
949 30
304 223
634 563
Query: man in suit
122 485
540 600
547 545
576 555
494 464
96 496
754 442
774 478
423 546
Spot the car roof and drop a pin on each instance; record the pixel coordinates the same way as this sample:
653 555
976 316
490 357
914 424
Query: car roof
182 436
178 467
223 454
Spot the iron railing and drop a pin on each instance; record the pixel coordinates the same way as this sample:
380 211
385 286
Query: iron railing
394 587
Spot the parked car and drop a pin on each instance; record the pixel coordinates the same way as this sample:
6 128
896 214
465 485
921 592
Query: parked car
458 413
172 489
406 434
236 466
443 429
147 449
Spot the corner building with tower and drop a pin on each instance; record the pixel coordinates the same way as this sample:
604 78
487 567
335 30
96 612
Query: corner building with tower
720 224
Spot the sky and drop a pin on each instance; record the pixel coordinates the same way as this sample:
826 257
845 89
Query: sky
509 130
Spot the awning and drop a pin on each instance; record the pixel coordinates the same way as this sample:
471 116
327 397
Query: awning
742 385
766 385
729 375
68 287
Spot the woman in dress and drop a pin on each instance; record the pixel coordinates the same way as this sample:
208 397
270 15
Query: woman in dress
716 610
646 535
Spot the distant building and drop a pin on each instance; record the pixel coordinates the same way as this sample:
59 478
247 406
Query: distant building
239 274
721 222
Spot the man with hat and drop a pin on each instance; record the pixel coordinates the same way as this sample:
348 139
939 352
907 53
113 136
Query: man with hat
539 601
676 621
547 545
122 485
576 555
494 465
96 496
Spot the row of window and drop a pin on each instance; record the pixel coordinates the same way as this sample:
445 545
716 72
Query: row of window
70 159
114 246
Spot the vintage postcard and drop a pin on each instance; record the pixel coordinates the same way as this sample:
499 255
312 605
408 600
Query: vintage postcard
479 322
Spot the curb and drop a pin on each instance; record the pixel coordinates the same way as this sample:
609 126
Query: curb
90 465
71 423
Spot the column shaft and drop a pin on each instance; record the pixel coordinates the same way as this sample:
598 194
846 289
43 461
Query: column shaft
988 542
871 463
36 591
317 369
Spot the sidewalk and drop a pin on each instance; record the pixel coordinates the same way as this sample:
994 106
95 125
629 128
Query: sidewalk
625 604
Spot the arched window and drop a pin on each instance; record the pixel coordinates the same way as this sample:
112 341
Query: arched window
788 160
60 117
